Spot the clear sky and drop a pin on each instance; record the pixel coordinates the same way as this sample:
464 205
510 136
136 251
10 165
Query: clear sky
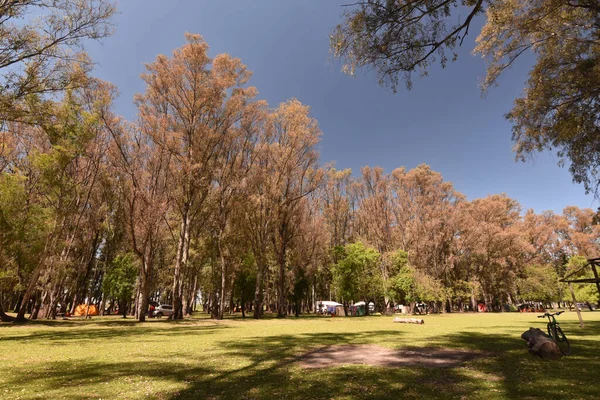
444 121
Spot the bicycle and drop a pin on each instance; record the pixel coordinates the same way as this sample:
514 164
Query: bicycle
556 333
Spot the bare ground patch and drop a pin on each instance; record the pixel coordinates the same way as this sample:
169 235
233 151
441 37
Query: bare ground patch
428 357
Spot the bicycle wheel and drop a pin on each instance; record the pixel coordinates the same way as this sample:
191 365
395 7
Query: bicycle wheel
561 340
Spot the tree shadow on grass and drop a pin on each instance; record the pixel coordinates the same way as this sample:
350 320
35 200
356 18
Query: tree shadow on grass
524 375
253 368
151 332
266 367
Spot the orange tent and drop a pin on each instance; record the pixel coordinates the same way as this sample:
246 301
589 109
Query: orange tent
81 309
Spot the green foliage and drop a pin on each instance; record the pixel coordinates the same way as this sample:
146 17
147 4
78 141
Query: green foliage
119 281
540 283
403 285
584 292
410 285
428 288
399 261
24 224
559 108
356 275
461 290
245 280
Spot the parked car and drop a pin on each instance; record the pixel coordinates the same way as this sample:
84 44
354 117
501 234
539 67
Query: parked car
163 309
586 306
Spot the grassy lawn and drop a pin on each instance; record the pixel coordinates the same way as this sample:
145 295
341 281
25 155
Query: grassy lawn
110 358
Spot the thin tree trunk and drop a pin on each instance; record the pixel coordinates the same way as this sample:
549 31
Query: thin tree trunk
54 298
102 305
180 262
193 293
36 308
258 291
35 276
281 293
144 290
223 278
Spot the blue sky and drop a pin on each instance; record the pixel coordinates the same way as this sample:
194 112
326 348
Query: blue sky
444 121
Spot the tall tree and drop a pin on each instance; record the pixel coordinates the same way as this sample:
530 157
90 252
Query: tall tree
496 249
142 183
294 163
337 205
192 102
234 164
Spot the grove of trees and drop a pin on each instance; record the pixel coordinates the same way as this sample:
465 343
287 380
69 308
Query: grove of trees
210 191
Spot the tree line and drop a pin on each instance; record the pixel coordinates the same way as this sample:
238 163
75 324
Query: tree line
210 191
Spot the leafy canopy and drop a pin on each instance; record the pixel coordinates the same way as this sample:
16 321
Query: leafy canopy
558 109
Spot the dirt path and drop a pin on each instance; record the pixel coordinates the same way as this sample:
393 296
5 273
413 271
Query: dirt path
428 357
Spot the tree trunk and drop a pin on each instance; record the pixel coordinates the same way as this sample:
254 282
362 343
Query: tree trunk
36 307
193 292
144 289
180 262
136 300
258 291
82 283
281 293
123 308
541 344
29 291
5 317
102 305
223 278
184 300
409 320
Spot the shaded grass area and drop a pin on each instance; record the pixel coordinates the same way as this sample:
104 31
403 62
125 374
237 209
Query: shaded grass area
247 359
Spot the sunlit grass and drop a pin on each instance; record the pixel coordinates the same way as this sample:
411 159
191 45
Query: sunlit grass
246 359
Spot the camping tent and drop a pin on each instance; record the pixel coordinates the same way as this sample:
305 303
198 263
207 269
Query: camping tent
327 307
82 308
357 309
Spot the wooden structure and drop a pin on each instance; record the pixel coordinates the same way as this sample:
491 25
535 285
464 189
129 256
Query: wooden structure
409 320
593 263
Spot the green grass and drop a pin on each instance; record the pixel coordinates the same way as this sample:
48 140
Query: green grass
110 358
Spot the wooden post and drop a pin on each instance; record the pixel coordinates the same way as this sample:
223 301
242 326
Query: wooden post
597 279
575 303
